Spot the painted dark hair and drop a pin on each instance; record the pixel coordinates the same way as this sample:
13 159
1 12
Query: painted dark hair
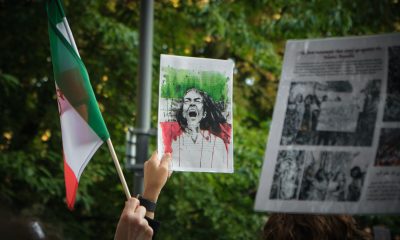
211 121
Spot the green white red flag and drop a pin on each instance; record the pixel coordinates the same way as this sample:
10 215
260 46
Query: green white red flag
83 128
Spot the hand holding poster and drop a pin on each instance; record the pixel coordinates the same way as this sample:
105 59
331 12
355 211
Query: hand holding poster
195 113
334 140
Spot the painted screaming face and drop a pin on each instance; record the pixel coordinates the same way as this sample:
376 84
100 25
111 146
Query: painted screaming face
193 108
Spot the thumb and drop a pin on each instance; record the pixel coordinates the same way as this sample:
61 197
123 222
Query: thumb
131 204
154 158
166 160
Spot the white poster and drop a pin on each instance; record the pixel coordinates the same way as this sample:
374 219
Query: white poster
334 143
195 113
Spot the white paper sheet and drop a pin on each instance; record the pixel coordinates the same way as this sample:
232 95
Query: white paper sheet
334 143
195 113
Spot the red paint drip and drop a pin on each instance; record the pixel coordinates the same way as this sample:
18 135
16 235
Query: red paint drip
225 134
170 132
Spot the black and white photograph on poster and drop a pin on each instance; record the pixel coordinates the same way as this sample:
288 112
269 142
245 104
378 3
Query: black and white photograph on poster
332 176
287 174
392 107
332 113
388 153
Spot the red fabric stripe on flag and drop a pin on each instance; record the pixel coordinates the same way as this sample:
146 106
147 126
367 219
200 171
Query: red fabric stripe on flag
71 185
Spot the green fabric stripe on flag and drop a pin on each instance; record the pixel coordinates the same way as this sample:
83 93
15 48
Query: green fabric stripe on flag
56 13
71 75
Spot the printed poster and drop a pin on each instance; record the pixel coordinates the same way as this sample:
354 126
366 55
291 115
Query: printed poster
334 143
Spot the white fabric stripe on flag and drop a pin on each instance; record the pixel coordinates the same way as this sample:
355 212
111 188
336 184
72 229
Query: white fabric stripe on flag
80 142
70 37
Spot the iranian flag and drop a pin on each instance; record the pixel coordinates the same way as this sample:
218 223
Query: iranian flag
83 128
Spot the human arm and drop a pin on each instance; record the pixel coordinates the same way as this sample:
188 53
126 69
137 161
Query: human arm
156 173
132 224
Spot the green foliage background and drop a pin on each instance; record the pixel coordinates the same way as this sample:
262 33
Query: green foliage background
192 205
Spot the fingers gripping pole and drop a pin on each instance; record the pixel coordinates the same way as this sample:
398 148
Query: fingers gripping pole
119 170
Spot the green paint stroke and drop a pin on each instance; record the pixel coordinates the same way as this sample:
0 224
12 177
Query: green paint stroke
178 81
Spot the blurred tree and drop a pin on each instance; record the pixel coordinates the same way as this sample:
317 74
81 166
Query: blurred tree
193 205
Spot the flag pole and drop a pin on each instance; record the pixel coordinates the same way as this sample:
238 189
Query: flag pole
109 143
118 167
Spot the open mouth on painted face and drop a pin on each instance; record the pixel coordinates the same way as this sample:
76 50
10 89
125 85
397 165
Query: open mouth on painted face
192 113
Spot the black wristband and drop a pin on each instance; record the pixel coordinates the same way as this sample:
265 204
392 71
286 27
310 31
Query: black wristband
149 205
